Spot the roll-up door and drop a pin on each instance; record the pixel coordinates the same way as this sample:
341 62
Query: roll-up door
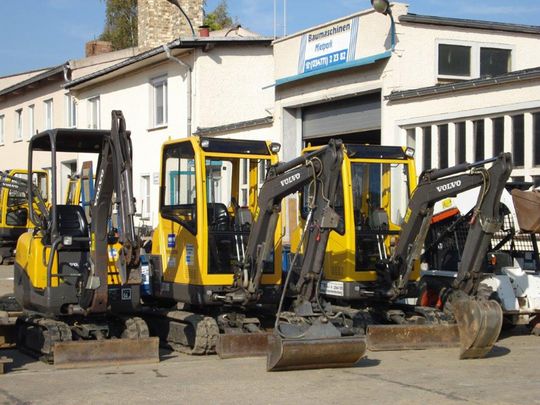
345 116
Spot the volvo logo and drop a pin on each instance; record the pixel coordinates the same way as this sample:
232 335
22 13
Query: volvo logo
290 179
449 186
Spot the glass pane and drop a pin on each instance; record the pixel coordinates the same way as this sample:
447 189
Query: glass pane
427 148
454 60
443 146
460 143
498 136
536 139
160 111
518 141
494 61
218 181
478 140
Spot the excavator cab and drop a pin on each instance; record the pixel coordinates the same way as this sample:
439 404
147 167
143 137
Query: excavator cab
209 199
373 192
14 218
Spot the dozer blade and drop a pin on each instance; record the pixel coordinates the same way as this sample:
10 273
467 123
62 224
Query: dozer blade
91 353
303 354
411 337
8 329
479 323
231 346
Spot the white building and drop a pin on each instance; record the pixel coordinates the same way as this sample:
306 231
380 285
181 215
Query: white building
34 101
454 89
211 86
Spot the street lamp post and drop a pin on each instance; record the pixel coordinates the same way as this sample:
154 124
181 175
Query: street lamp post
383 7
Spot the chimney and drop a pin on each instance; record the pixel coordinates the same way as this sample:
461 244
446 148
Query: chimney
160 22
204 31
96 47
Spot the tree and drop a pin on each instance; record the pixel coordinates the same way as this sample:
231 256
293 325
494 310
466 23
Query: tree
220 17
120 23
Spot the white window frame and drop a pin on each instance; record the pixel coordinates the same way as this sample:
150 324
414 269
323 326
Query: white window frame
48 107
31 121
154 83
71 111
94 122
18 125
2 128
146 187
475 57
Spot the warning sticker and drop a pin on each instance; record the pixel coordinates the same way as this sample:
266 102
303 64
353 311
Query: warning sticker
332 288
190 252
126 294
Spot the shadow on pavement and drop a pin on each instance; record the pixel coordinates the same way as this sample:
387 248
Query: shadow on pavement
498 351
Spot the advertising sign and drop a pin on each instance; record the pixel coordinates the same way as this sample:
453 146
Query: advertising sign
330 46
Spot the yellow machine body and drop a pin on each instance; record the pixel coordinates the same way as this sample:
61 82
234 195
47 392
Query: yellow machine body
188 248
375 180
14 218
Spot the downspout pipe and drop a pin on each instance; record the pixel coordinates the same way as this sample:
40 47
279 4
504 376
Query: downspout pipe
189 70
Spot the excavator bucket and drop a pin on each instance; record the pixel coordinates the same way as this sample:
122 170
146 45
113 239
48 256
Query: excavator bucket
91 353
231 346
479 323
303 354
412 337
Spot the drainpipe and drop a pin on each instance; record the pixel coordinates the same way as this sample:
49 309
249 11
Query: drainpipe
189 70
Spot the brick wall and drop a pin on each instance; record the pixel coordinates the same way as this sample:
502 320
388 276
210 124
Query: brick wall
161 22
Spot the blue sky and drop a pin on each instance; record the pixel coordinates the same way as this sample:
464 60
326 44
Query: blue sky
39 33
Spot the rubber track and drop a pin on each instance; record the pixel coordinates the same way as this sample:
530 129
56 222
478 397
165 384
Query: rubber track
52 332
206 336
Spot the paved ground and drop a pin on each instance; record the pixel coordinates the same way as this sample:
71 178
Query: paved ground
509 375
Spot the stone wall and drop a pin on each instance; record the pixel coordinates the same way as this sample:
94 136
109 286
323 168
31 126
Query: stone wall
161 21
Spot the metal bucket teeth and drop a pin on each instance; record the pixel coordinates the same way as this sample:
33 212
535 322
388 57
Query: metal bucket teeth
231 346
479 324
91 353
303 354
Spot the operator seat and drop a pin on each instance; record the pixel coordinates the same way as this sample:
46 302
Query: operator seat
72 222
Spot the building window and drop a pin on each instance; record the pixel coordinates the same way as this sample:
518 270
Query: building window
536 139
48 107
18 125
454 60
71 111
1 129
494 61
94 121
478 140
145 196
426 153
518 140
443 146
31 121
159 101
461 143
498 136
469 60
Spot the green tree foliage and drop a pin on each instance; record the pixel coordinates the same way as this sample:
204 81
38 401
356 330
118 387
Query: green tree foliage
220 17
120 23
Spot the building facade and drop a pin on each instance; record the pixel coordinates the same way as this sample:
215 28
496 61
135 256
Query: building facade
453 89
215 86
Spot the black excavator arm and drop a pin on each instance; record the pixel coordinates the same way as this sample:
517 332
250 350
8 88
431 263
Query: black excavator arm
437 185
479 319
114 187
319 169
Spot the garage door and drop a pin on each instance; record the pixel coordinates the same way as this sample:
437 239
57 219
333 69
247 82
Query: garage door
346 116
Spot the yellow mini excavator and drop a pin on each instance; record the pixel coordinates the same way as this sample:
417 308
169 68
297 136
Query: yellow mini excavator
14 220
371 264
217 253
78 283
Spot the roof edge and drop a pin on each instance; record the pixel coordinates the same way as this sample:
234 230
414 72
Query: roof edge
467 23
